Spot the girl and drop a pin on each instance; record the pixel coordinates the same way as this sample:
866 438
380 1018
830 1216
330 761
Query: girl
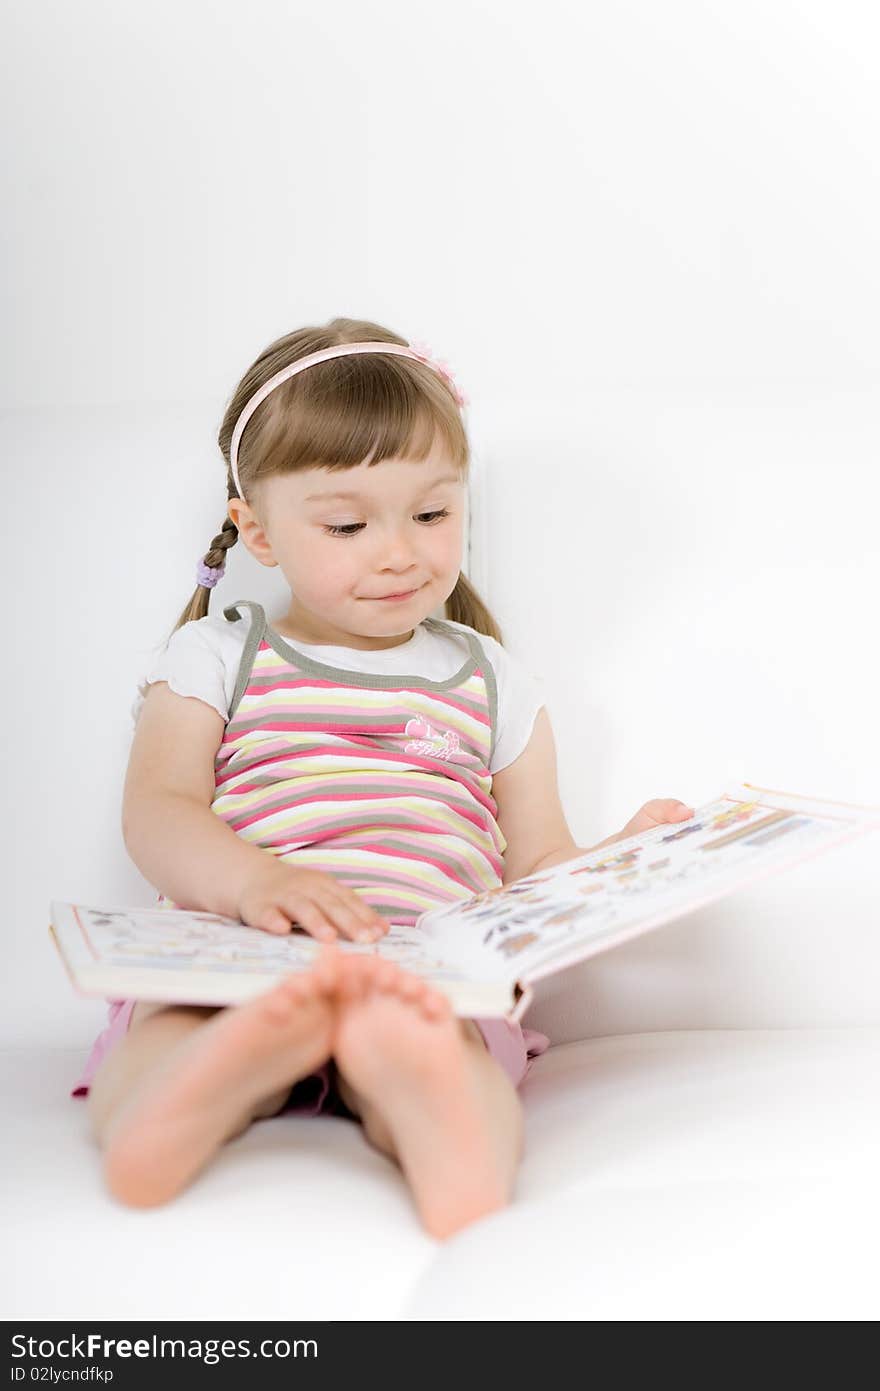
355 764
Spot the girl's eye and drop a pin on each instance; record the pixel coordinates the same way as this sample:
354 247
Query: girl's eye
352 528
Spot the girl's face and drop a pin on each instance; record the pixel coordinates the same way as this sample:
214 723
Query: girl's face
401 529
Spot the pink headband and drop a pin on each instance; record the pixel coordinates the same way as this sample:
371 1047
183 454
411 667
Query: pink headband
420 351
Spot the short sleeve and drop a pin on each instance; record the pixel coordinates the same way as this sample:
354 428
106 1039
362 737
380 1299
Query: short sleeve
520 696
195 662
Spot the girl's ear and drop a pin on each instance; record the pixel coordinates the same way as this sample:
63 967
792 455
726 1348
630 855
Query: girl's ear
250 531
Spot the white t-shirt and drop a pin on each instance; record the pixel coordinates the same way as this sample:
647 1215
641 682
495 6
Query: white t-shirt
202 660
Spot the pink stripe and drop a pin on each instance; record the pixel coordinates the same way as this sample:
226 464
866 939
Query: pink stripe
392 898
429 765
309 788
242 823
412 762
298 683
335 751
352 873
365 843
295 718
494 860
446 698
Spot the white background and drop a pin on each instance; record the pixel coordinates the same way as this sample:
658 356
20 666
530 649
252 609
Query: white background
645 236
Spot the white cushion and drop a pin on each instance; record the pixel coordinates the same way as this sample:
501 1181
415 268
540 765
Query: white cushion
705 1174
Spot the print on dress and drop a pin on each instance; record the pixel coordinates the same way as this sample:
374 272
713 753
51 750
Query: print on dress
428 742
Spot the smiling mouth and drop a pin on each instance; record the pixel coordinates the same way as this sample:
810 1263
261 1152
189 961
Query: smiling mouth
402 594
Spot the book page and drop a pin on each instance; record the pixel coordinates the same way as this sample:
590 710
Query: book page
183 941
538 924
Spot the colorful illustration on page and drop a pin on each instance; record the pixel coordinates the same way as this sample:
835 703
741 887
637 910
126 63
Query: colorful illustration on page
545 908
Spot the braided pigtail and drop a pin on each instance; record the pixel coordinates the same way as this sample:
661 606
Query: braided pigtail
214 559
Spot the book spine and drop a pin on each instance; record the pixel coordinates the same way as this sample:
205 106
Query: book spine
525 995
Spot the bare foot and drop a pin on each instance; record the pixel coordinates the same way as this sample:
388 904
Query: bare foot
357 977
202 1090
399 1045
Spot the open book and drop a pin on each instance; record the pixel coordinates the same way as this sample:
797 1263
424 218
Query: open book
485 952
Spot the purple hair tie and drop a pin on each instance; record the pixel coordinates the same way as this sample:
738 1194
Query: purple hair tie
208 575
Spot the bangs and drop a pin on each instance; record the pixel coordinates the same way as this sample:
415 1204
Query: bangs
340 413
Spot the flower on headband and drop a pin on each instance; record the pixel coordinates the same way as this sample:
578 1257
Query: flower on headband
425 354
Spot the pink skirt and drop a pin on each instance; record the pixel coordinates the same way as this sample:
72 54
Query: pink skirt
512 1047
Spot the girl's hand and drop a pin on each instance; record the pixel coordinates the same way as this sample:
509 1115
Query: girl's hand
656 813
278 893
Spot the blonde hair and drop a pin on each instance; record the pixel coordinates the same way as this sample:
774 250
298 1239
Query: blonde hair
334 415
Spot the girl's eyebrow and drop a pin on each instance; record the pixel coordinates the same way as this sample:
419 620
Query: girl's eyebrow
326 497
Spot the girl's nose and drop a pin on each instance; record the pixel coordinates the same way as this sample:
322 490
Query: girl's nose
398 554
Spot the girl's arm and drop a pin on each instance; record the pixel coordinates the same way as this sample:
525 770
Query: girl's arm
530 813
177 842
531 817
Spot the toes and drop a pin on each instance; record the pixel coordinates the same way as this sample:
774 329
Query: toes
300 987
327 967
411 987
354 978
359 976
416 991
291 988
292 993
392 978
386 975
435 1005
278 1005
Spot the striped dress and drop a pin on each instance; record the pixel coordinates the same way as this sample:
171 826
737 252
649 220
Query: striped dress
381 781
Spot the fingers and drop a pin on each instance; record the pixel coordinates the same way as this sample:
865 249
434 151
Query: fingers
280 895
345 912
272 920
668 809
300 913
356 920
325 919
